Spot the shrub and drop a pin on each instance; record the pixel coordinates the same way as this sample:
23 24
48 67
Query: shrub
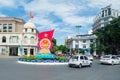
35 58
30 58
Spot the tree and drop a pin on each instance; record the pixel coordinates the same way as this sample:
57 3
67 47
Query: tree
92 47
108 37
63 48
55 47
54 41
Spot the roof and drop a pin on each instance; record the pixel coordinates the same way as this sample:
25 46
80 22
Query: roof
29 25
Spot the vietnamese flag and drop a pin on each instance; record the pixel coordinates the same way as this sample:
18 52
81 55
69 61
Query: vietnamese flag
46 34
31 15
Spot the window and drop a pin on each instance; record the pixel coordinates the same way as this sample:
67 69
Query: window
0 27
25 29
32 30
105 12
74 57
91 40
113 57
76 41
85 58
4 39
9 27
84 41
14 39
3 51
84 46
32 40
4 27
25 39
25 51
81 57
102 13
109 11
76 46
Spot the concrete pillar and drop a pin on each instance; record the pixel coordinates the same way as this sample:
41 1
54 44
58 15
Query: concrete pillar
28 53
7 51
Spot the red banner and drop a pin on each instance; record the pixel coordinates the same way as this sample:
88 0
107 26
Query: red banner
46 34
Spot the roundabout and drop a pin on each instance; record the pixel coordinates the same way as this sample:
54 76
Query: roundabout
44 55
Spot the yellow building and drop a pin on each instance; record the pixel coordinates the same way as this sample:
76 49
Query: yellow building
17 37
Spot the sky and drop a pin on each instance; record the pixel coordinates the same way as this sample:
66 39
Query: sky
61 15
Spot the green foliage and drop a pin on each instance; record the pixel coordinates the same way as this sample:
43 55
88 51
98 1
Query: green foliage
54 49
58 48
30 58
82 51
62 48
54 41
35 58
92 47
61 58
108 37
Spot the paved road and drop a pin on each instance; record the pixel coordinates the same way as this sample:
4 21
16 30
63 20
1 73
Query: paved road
11 70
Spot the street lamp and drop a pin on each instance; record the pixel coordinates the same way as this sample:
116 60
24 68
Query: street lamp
78 28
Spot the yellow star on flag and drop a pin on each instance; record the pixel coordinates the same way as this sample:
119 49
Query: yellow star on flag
46 35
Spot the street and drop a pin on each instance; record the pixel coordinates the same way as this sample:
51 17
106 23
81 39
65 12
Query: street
11 70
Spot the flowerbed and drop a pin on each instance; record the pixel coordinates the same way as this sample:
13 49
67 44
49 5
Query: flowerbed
34 59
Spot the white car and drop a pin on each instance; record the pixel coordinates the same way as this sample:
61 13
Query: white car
79 61
118 56
90 57
109 59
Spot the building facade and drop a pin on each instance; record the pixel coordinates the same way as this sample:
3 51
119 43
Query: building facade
17 37
81 42
104 17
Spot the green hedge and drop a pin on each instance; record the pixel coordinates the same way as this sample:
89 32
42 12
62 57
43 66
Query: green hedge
35 58
61 58
30 58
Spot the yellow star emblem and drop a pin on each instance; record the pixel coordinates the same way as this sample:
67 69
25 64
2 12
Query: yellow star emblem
46 35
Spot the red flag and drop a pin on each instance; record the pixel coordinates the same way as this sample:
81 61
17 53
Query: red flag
31 15
46 34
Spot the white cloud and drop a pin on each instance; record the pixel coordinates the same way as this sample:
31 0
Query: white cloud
8 3
68 11
44 22
63 9
77 20
103 3
2 15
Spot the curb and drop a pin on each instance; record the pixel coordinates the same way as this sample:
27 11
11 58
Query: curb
42 63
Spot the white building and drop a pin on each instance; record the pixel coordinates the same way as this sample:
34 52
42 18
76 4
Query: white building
17 37
80 42
104 16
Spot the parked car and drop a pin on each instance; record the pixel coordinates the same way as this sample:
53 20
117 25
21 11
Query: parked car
90 57
79 61
118 56
109 59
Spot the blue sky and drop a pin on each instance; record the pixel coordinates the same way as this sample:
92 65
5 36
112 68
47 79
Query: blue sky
61 15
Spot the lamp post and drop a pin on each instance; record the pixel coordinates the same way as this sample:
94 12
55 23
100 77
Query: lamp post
78 28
